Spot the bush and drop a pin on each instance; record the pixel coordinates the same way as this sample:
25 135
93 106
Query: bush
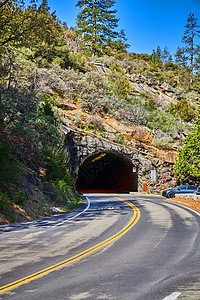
183 109
4 200
161 120
76 119
66 192
56 162
28 129
119 138
95 122
20 197
93 88
150 105
9 168
164 142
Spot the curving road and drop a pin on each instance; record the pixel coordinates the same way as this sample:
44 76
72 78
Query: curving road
142 248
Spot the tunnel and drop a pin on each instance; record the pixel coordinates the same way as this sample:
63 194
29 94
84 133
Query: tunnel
106 172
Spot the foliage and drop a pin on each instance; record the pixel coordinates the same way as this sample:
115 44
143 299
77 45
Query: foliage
150 105
95 122
93 89
159 119
46 109
43 62
191 30
188 162
183 109
77 120
121 86
75 61
57 172
180 58
4 200
97 22
9 168
24 120
119 138
164 142
138 114
27 26
20 197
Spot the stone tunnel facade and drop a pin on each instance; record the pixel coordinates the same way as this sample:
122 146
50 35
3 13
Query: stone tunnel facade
99 163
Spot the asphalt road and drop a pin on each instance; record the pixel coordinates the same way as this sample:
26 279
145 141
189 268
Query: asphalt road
144 249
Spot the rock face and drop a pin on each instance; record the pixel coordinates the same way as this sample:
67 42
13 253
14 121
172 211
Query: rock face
163 96
80 146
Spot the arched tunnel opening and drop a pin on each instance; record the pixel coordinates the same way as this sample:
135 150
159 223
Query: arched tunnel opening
107 171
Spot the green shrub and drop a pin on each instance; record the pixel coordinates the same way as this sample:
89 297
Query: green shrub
76 119
9 168
119 138
150 105
24 122
4 200
161 120
56 162
20 197
66 192
164 142
183 109
95 122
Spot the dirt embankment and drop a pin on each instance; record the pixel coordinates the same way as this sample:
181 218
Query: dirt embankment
190 203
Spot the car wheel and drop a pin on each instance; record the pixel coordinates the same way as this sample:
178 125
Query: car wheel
171 195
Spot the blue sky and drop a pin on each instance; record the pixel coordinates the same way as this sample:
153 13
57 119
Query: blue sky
147 23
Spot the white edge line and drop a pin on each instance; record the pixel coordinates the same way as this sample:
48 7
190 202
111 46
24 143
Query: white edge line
69 219
173 296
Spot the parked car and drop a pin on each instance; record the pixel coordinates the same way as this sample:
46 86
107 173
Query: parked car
198 191
182 189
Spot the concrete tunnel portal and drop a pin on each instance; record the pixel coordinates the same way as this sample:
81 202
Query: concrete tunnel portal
107 171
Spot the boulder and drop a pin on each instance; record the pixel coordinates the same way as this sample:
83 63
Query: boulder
167 88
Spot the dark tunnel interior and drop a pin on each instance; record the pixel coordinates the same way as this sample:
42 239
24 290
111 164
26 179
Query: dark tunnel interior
107 171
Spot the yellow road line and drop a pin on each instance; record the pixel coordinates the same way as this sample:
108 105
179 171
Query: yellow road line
36 275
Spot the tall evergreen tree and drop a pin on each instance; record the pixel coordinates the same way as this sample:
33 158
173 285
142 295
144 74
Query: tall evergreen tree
96 22
181 61
189 40
188 162
180 58
165 54
157 55
121 44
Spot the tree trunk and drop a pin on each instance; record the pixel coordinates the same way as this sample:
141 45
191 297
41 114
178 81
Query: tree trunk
10 71
83 33
94 29
192 56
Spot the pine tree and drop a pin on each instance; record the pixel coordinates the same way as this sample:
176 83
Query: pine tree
96 22
181 61
188 162
189 40
157 55
196 84
121 44
165 55
180 58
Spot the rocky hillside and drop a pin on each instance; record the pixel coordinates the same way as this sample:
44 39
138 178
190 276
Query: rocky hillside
47 79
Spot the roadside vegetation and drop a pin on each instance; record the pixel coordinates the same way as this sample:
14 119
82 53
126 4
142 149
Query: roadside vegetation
44 64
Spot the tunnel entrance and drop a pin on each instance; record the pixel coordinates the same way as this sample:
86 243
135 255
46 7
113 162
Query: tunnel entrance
107 171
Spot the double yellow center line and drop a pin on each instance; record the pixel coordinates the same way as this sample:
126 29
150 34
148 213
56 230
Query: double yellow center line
43 272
